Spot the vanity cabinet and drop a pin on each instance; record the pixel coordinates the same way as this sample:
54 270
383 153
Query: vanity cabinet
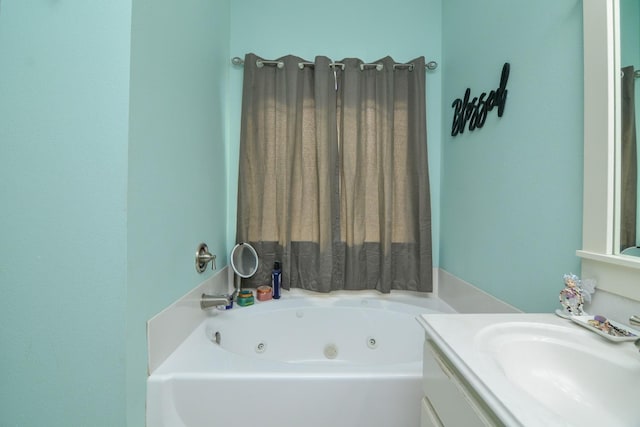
449 400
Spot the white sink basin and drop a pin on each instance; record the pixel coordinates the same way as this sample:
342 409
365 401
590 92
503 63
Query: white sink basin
580 377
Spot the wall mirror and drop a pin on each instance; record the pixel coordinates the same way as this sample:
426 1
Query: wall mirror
600 253
627 40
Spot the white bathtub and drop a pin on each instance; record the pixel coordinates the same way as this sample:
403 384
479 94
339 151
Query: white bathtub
344 360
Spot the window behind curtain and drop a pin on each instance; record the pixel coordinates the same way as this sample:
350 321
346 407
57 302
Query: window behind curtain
334 183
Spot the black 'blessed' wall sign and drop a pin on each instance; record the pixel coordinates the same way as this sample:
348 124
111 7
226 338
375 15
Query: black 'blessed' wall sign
475 111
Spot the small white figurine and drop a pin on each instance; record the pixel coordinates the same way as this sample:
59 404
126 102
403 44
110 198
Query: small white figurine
575 293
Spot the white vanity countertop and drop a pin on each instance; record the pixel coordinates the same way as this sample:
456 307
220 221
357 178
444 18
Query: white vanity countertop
462 339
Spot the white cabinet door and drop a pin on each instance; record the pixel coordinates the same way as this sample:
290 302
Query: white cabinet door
453 404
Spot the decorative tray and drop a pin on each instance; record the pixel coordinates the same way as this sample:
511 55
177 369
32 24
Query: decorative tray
608 329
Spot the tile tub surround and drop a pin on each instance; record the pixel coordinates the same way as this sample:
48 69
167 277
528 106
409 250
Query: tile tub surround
167 329
466 298
170 327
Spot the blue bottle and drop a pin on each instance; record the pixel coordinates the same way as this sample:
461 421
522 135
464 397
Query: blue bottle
276 275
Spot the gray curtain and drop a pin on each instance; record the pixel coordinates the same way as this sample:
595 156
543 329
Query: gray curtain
629 159
333 177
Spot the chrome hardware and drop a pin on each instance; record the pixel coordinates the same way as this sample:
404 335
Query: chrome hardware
203 257
239 62
210 301
262 62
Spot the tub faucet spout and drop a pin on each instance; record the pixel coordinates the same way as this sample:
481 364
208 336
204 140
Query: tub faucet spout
209 301
635 321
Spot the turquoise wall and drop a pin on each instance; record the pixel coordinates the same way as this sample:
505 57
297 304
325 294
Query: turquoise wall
112 170
64 95
629 33
512 190
338 29
177 174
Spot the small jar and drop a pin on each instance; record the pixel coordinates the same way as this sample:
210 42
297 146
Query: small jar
264 293
245 298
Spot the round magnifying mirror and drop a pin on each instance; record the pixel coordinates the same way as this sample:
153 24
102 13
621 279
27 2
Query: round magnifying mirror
244 260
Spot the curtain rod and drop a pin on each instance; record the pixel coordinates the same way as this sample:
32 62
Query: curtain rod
431 65
636 73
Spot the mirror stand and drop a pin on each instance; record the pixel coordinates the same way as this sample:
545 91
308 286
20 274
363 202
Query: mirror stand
244 262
